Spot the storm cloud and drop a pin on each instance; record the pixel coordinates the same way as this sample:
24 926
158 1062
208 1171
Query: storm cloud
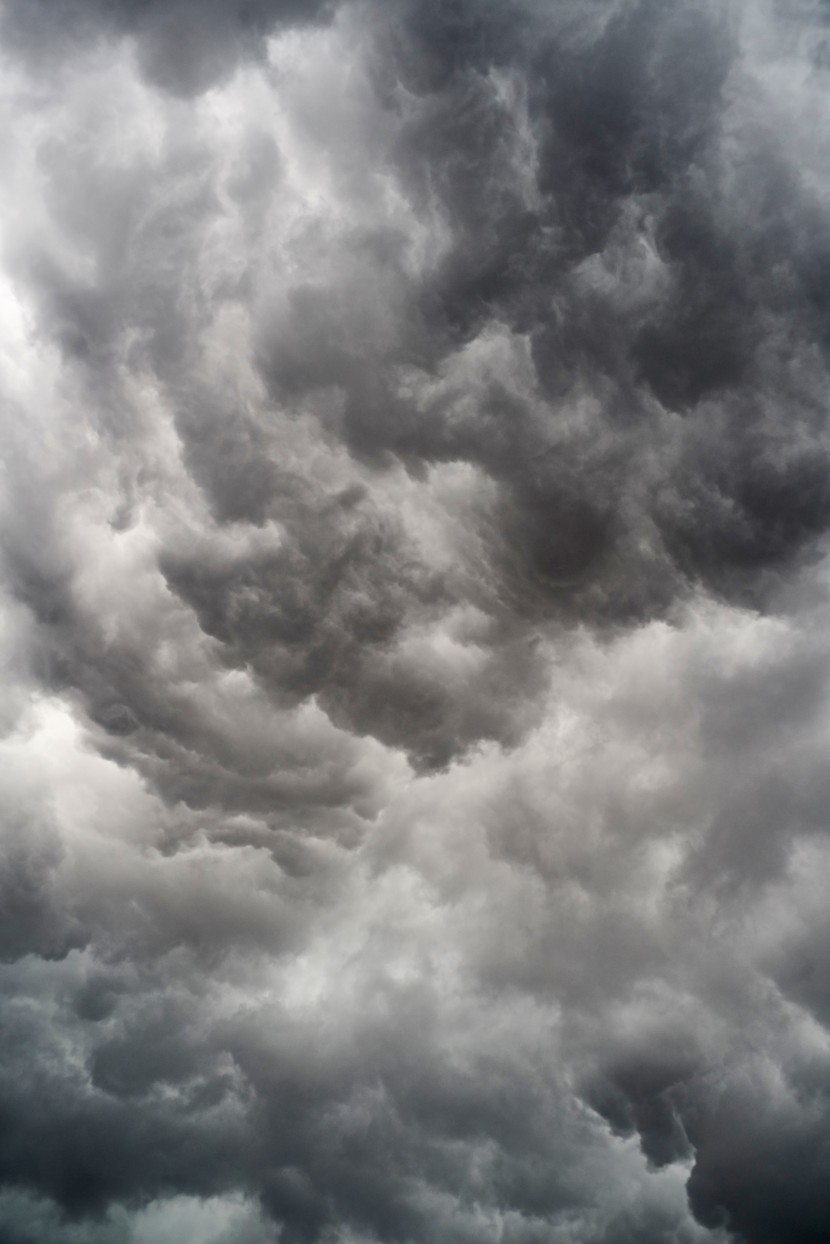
413 591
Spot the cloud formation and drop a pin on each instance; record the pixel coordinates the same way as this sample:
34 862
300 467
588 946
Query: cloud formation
414 578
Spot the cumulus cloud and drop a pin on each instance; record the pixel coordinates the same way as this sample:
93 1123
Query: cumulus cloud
412 600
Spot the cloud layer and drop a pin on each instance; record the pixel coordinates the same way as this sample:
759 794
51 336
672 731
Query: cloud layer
414 586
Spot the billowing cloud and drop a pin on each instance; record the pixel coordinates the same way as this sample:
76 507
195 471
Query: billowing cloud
412 604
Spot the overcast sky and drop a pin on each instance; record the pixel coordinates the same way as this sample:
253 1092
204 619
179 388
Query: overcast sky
414 601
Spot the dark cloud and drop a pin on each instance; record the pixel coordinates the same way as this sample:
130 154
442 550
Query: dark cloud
184 47
787 1140
593 206
412 594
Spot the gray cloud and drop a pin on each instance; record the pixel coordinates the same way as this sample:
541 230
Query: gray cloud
184 48
412 601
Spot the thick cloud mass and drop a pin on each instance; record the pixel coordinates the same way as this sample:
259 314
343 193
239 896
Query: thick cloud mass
413 597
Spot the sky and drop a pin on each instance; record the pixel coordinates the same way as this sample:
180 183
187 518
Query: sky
414 590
